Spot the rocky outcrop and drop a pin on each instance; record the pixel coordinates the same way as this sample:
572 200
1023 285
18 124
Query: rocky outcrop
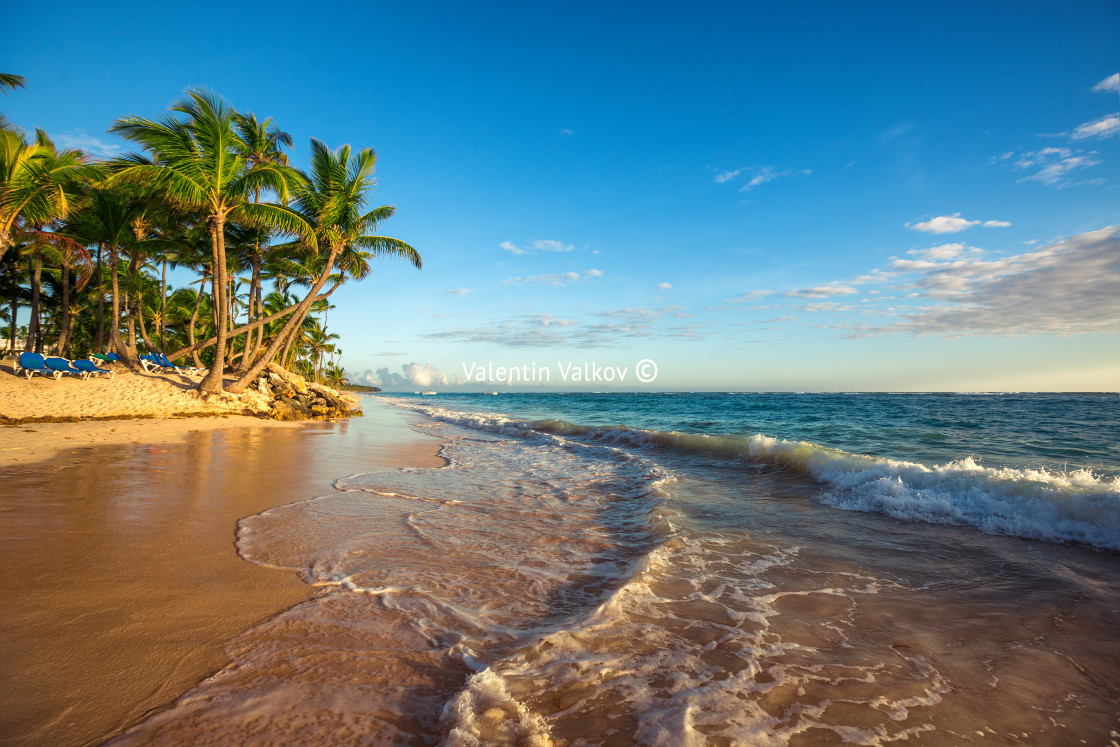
282 395
291 397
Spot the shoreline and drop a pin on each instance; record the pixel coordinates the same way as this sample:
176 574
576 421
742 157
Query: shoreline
124 584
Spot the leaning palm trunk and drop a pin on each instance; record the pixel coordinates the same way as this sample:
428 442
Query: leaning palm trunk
297 318
251 326
143 328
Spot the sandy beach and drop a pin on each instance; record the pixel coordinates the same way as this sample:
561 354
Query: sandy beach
122 578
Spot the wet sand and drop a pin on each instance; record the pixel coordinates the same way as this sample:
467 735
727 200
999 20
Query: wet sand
121 580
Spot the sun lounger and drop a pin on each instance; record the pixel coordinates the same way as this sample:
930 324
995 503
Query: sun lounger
92 369
149 363
181 369
64 366
33 363
100 358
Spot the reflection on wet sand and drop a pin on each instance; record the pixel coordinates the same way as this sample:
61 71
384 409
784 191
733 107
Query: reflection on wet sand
122 582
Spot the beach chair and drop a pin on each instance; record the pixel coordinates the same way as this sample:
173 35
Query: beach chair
148 363
100 358
92 369
179 369
114 357
64 366
33 363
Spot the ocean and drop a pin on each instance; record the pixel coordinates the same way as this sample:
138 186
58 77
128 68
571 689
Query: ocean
701 569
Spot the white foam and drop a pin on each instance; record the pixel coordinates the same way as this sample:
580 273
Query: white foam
1053 505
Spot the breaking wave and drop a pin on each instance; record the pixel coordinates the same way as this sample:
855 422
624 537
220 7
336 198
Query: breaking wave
1073 506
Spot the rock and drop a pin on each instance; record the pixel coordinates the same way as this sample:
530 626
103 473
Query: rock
283 410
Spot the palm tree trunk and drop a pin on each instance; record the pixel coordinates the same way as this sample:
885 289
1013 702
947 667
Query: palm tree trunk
252 325
254 286
100 345
123 350
293 323
15 308
143 328
33 341
260 329
212 382
194 320
65 322
163 310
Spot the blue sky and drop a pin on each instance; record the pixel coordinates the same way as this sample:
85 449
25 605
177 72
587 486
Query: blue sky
801 196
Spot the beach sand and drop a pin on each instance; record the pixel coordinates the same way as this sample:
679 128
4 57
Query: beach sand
121 580
136 394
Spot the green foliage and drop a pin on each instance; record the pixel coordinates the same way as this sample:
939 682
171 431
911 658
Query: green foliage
210 190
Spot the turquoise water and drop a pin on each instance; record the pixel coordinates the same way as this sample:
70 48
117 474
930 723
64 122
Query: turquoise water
594 570
1052 431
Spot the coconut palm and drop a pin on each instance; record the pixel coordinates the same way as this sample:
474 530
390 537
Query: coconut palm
9 82
37 182
199 163
331 199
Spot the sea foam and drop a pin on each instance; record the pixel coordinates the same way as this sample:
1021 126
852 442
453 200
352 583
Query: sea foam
1074 506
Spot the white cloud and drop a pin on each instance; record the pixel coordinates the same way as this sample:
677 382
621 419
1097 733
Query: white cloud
565 131
665 286
89 144
412 375
823 291
557 279
541 245
944 251
953 224
762 175
1111 83
458 291
1053 166
729 175
509 246
767 174
1106 126
943 224
550 245
826 306
1065 288
750 296
617 328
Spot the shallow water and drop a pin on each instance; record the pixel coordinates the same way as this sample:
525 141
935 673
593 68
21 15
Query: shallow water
561 582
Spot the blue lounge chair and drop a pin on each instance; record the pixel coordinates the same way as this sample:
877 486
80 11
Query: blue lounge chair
63 366
92 369
181 369
114 357
155 361
33 363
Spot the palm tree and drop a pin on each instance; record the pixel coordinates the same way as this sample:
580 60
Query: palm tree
37 182
109 219
199 163
9 82
331 200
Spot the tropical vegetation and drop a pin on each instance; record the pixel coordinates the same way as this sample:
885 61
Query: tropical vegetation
86 244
